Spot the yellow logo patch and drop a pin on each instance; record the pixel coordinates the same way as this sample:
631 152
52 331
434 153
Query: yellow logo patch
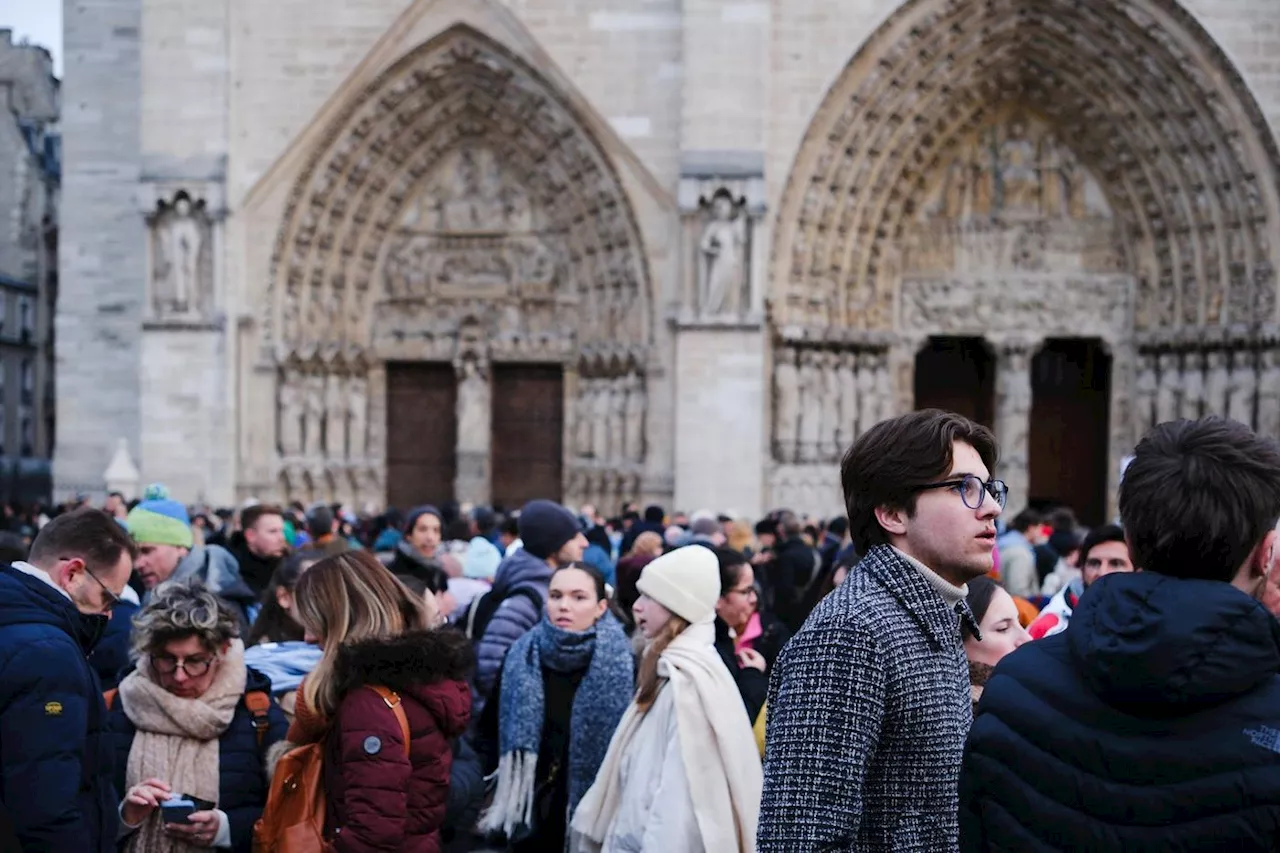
53 709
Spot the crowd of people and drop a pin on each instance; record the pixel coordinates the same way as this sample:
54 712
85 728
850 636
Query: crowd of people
917 675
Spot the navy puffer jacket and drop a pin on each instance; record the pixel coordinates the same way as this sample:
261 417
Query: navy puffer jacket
55 763
1151 724
242 779
512 620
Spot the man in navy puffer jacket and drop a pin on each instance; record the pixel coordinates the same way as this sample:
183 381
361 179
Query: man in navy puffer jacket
1153 722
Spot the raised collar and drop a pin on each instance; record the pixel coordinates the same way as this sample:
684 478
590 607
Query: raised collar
902 577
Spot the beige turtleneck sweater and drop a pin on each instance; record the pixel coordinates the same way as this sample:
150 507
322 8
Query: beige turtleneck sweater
950 593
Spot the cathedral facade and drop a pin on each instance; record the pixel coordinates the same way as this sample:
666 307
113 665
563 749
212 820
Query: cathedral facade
391 251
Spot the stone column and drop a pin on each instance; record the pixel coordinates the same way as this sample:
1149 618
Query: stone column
475 427
1013 417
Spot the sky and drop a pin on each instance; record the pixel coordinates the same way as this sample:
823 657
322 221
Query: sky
38 21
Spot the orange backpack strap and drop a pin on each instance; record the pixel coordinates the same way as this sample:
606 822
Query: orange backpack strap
393 702
109 697
259 705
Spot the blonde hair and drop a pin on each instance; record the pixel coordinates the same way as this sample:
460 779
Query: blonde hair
647 678
647 544
347 598
741 535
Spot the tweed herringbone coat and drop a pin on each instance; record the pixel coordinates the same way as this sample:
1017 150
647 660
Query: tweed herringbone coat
869 708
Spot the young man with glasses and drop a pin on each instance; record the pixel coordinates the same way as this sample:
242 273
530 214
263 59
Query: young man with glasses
870 704
55 768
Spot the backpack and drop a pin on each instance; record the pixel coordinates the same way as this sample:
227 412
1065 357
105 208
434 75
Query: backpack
257 702
476 620
293 819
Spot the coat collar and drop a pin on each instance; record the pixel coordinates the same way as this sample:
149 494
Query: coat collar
918 597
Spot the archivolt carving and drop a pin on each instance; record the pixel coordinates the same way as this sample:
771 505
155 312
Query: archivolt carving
1139 94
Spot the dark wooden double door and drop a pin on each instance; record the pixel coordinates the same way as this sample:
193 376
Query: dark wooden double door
526 439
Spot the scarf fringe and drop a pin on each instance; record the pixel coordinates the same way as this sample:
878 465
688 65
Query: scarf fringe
513 799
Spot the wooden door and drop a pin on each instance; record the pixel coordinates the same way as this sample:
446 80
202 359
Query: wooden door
958 375
528 433
422 433
1070 408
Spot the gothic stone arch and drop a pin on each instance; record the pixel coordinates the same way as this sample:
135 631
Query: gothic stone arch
1032 167
458 186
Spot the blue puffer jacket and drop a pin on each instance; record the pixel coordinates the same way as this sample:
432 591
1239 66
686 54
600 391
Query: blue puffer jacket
55 763
242 780
512 620
1151 724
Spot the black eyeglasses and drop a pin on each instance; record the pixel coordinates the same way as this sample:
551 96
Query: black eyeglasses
194 667
972 490
112 598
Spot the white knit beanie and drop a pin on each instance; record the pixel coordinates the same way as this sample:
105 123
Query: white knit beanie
685 581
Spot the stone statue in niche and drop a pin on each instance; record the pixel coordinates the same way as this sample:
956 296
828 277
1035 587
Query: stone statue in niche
810 406
336 404
786 387
1216 382
315 416
634 427
358 417
847 426
1269 394
1241 388
474 405
1192 385
830 401
722 258
1144 402
292 413
180 271
1167 394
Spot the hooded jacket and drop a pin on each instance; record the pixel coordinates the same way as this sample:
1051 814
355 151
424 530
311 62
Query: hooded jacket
217 569
513 618
55 764
376 798
1150 724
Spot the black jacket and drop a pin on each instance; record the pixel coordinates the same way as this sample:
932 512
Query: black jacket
1151 724
255 571
794 566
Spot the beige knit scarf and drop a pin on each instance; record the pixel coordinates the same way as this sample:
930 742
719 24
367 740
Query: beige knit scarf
716 743
177 740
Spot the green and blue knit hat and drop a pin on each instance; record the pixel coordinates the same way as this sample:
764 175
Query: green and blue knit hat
158 520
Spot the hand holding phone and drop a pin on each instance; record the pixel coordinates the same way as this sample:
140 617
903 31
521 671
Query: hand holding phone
177 810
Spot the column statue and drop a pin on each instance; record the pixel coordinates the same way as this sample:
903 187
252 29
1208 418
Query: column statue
315 416
617 419
336 406
786 404
1192 385
1216 382
1240 390
1013 417
1144 402
868 405
600 404
1167 392
637 407
358 416
474 406
810 406
884 388
847 428
293 411
582 417
1269 394
830 401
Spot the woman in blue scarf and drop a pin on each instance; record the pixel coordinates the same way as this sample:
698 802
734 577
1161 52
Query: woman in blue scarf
565 685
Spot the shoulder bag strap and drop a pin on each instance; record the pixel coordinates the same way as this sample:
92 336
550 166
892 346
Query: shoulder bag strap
259 705
393 702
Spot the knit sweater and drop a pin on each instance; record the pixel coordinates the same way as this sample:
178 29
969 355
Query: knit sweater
868 712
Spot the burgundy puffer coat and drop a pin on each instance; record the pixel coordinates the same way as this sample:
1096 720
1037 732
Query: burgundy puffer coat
376 799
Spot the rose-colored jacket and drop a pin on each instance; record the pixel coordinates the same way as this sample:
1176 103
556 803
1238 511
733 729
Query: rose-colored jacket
376 798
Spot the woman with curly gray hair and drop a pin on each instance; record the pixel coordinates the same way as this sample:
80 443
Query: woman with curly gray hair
191 721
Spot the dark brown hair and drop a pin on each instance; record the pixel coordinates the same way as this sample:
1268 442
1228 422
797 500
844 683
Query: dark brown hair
249 515
1198 497
87 533
890 461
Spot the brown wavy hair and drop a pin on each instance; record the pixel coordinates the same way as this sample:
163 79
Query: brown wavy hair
647 678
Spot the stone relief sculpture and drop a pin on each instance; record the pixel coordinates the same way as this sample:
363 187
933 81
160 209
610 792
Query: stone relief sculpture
617 419
637 405
315 416
830 402
868 406
786 404
474 405
336 417
292 413
1019 181
1192 385
358 411
884 388
1269 394
601 403
1216 382
722 258
847 426
810 406
1144 397
582 417
181 279
1240 390
1167 394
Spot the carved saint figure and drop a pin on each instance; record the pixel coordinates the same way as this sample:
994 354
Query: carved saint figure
635 413
292 413
1018 179
830 403
582 417
884 387
722 265
315 415
179 270
868 405
336 404
1269 394
786 386
601 400
1144 399
1052 179
1167 394
847 428
810 406
358 416
474 405
1241 388
956 192
1216 382
617 419
1192 385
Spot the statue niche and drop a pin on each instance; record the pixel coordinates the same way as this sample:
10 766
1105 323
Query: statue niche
722 256
181 258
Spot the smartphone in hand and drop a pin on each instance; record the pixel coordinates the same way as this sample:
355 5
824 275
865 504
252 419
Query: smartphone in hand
177 810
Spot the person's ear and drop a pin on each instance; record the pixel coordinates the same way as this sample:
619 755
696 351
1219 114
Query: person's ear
1264 556
69 571
601 606
894 521
284 598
